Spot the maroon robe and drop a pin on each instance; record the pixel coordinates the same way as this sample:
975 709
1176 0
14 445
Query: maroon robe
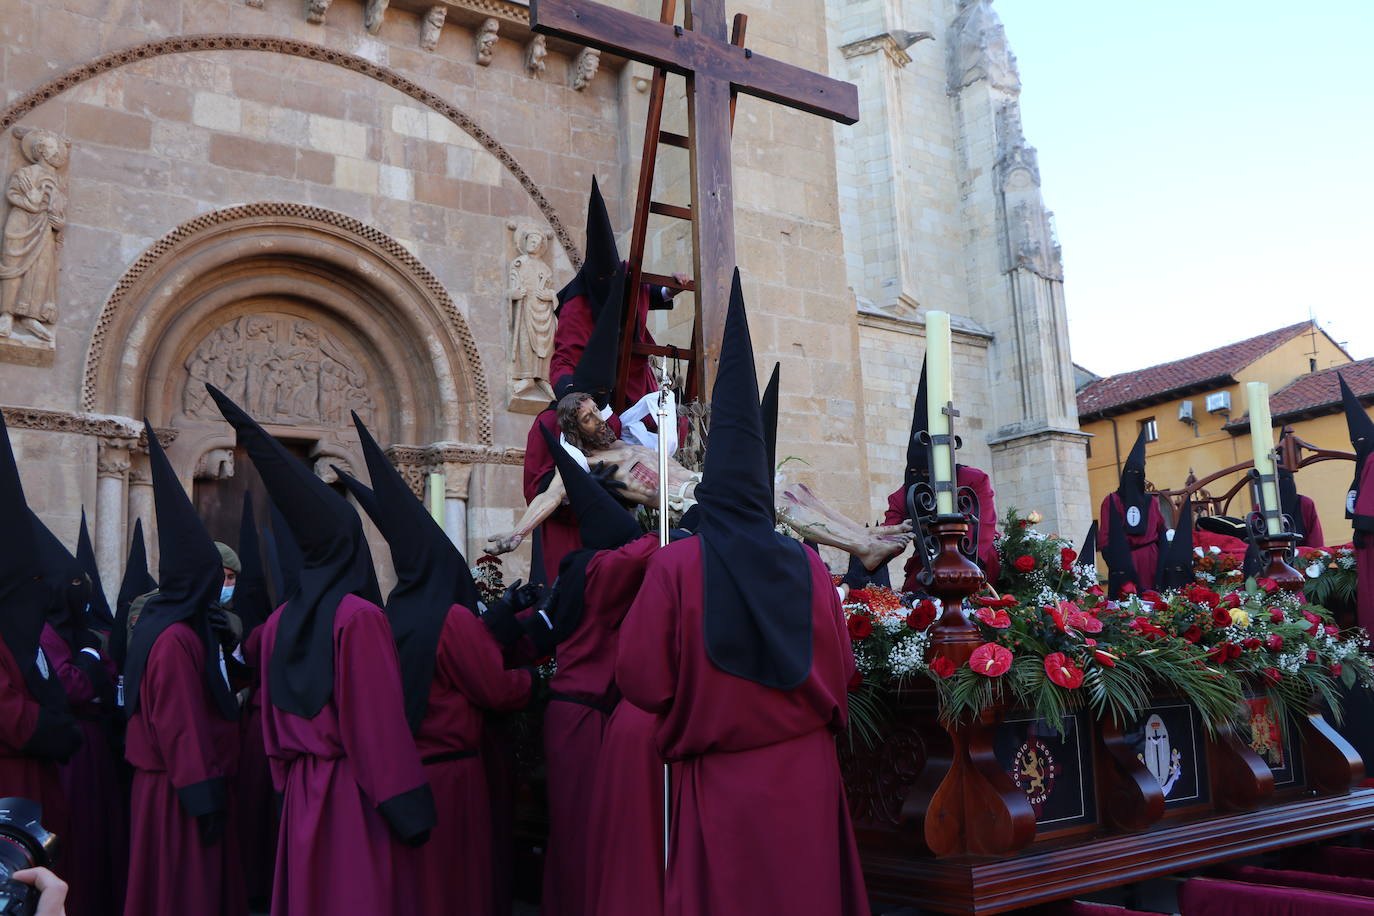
1144 546
981 485
558 533
179 743
452 873
254 796
759 818
93 852
575 326
1313 536
335 852
626 876
1363 523
23 775
582 696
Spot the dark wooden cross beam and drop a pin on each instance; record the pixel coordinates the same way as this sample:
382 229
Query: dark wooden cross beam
714 69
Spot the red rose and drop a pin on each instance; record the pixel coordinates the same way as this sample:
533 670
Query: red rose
1104 658
1276 615
1097 591
1204 596
1336 669
1128 588
1221 617
1067 556
859 595
1024 564
1251 643
1193 634
1062 671
922 615
994 617
860 627
1273 675
943 667
1274 642
1311 657
1314 630
1311 617
1224 652
990 660
1149 595
856 680
1267 584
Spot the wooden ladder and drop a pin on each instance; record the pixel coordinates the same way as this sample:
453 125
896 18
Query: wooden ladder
654 134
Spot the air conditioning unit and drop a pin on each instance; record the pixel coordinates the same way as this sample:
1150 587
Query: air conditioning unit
1218 401
1185 410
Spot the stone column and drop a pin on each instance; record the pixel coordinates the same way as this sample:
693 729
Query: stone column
141 506
457 476
112 469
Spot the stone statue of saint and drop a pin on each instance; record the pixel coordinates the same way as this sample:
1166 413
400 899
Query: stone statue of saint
530 288
33 234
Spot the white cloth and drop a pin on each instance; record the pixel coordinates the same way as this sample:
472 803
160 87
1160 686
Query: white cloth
634 431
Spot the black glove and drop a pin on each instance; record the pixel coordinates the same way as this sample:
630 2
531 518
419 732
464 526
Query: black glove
211 827
522 595
227 627
604 474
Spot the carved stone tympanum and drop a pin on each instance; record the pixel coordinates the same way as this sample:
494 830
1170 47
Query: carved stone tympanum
37 195
530 288
282 369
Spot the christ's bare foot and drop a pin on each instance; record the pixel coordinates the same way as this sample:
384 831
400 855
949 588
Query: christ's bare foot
879 549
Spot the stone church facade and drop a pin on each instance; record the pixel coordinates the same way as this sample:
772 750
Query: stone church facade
328 206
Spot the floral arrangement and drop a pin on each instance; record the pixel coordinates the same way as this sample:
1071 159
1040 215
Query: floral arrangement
1053 642
491 581
1329 574
1212 566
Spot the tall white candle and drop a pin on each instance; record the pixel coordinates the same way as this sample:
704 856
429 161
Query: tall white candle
1262 444
940 393
436 497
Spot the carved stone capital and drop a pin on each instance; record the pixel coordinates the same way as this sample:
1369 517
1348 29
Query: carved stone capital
373 14
315 10
893 44
457 476
140 475
112 457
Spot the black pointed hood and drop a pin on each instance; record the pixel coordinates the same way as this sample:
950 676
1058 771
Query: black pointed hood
189 575
1361 428
1120 563
137 581
756 582
24 595
602 522
917 455
85 555
1131 489
335 564
69 587
252 602
600 258
1087 554
596 367
432 575
1290 501
1176 559
768 410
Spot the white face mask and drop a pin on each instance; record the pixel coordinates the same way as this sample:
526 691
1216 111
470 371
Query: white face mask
225 593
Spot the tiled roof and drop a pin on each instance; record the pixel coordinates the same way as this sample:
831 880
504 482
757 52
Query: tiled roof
1316 394
1212 369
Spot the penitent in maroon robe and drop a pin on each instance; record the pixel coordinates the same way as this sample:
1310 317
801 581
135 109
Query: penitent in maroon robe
759 818
1362 521
574 329
626 877
1313 536
452 873
1144 546
254 796
180 746
335 852
981 485
93 853
23 775
582 696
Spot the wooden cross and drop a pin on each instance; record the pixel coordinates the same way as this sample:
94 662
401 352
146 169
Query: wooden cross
715 69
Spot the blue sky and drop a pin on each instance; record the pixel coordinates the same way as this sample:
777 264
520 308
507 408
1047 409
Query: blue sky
1210 164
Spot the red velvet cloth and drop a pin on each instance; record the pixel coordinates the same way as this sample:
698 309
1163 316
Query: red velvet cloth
1230 546
335 852
627 819
981 485
1316 881
452 873
178 739
1350 861
1144 546
759 821
1083 908
573 731
1212 897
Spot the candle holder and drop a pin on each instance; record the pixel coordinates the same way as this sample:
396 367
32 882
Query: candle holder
948 546
1277 548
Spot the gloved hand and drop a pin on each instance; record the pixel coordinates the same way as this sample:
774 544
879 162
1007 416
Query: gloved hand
227 627
604 474
522 595
211 827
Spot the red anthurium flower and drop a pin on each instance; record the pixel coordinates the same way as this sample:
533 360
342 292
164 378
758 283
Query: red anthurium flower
1147 629
990 660
1267 584
994 617
1221 617
1331 629
943 667
860 627
1193 634
1273 675
1104 658
1067 557
1004 601
1097 591
1251 643
1080 620
922 615
1057 616
1063 671
1024 564
1311 657
1336 669
1274 642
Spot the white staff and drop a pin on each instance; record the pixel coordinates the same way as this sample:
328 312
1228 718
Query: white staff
663 381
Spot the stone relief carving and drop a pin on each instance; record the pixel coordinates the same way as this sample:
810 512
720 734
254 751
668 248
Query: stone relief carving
585 67
1013 152
37 195
282 370
112 457
315 10
324 467
1034 244
535 52
215 464
373 14
431 26
256 4
980 49
485 42
530 288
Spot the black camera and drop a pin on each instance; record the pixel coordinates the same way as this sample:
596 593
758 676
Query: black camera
23 844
